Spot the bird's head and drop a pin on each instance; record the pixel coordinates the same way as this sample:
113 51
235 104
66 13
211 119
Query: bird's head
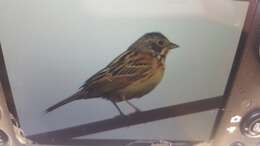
155 43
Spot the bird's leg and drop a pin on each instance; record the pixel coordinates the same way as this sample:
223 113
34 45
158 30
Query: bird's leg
133 106
117 107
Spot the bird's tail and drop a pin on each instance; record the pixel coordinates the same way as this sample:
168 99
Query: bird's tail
75 96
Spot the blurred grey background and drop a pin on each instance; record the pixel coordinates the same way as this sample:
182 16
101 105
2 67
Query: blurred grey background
51 47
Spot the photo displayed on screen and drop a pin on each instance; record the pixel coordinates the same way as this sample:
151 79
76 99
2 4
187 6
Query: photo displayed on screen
89 61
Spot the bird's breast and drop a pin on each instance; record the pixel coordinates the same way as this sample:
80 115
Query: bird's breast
145 85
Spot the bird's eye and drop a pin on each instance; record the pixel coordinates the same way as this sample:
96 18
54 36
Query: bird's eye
160 43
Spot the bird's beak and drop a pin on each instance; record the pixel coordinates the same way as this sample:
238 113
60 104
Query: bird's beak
172 45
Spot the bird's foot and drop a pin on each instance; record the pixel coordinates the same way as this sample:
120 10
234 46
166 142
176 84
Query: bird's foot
137 110
122 114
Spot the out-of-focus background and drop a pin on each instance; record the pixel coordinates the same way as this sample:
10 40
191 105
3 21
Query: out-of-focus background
52 47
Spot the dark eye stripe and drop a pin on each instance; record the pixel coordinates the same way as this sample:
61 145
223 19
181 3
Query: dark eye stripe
156 47
160 43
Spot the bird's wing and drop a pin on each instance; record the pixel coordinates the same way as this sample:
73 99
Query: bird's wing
121 72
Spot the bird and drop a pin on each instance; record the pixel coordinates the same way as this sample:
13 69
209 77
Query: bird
133 74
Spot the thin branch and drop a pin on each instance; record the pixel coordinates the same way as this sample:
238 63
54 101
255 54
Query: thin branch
132 119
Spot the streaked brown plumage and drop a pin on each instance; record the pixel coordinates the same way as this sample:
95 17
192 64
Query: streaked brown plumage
132 74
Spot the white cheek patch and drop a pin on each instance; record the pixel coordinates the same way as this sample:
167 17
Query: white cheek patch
159 57
164 52
162 55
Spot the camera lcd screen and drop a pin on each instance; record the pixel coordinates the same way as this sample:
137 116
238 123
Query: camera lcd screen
51 48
